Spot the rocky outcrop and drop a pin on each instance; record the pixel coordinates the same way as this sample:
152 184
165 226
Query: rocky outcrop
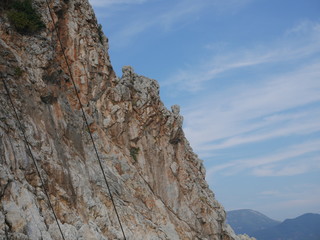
157 182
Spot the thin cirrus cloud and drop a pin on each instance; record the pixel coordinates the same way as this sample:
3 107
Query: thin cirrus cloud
256 107
164 18
297 43
302 127
282 104
271 165
108 3
232 116
289 169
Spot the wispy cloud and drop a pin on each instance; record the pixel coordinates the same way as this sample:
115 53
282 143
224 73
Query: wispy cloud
297 43
108 3
234 115
162 18
276 105
290 169
177 13
269 165
277 126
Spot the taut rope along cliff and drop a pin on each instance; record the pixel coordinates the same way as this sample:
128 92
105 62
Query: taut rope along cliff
85 119
31 154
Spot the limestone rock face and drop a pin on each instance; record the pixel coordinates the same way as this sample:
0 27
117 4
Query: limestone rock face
158 183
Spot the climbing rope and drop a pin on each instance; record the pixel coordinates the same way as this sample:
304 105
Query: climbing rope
32 157
85 119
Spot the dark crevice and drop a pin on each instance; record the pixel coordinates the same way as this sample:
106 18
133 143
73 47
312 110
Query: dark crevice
5 188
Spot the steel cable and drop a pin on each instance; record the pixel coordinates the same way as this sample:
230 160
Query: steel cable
32 157
86 120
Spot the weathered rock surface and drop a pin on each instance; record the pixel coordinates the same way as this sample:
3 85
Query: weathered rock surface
158 183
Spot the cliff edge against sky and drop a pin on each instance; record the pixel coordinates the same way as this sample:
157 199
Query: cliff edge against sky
157 182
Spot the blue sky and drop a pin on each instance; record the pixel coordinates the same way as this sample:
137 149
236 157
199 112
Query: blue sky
246 74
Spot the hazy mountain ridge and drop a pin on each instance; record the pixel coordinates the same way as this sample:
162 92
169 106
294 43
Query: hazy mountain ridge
249 221
304 227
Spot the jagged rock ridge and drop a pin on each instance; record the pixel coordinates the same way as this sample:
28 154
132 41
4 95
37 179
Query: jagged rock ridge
157 181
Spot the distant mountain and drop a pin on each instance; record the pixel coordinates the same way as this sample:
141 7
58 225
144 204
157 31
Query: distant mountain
305 227
249 221
255 224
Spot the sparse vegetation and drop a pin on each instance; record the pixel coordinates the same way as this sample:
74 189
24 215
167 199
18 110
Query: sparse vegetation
24 17
18 72
134 152
100 33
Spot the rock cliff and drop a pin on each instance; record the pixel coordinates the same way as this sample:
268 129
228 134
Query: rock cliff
157 182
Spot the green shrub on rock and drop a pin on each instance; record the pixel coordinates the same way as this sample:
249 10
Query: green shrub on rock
100 33
24 17
18 72
134 152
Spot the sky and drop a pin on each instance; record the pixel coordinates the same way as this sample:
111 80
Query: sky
246 74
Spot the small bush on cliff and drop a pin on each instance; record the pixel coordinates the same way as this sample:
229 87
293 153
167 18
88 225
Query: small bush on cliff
134 152
18 72
24 18
100 33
